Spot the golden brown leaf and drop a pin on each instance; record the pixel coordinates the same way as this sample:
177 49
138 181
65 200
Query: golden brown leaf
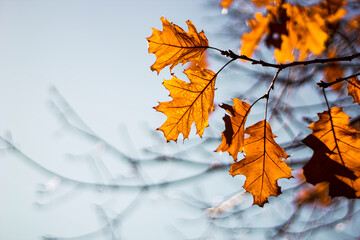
354 89
286 52
192 102
203 62
336 148
264 3
259 27
233 136
318 194
226 3
277 26
354 23
332 71
299 176
263 164
353 28
331 10
173 45
306 33
294 31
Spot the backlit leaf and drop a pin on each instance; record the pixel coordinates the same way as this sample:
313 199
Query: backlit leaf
173 45
263 164
353 28
233 136
331 10
203 62
259 27
263 3
318 194
226 3
192 102
354 89
306 33
332 71
336 147
293 30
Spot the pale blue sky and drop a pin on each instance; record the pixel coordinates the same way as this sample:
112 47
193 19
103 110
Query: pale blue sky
94 52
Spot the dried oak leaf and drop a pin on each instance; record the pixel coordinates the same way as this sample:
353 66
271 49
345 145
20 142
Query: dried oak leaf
353 88
264 3
318 194
203 62
173 45
233 136
192 102
336 148
353 28
307 33
277 27
331 10
332 71
259 27
226 3
294 31
263 164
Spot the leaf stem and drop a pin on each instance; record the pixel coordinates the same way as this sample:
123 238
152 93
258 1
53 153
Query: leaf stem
271 87
267 94
214 48
224 66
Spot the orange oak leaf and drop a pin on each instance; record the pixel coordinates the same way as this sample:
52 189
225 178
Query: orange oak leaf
332 71
318 194
331 10
336 154
233 136
226 3
203 62
353 28
307 33
259 27
277 26
294 31
354 23
353 88
263 164
173 45
263 3
192 102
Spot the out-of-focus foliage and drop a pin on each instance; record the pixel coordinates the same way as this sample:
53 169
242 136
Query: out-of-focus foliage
354 89
336 148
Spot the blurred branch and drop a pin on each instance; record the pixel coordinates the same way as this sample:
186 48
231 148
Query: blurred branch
110 223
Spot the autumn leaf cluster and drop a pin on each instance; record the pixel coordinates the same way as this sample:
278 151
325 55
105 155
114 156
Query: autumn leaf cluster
296 34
